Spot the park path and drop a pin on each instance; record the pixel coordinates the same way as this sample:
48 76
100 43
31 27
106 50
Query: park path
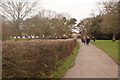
92 62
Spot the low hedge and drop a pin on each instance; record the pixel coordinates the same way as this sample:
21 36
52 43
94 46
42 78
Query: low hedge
34 58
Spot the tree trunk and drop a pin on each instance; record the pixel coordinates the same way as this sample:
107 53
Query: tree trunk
114 37
18 30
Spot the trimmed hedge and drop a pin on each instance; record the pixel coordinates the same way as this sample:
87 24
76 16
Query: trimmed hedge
34 58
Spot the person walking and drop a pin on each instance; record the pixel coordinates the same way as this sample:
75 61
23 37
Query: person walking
84 40
94 39
88 40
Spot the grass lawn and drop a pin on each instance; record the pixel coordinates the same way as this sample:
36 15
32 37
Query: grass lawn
109 47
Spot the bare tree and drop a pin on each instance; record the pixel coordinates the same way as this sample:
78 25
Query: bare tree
16 12
47 14
110 18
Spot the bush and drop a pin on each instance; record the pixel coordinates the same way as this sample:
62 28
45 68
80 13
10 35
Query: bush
34 58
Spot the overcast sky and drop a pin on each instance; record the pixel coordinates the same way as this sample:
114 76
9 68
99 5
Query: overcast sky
78 9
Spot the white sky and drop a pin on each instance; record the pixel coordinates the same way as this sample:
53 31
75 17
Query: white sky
78 9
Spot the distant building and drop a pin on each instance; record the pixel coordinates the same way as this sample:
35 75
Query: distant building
75 32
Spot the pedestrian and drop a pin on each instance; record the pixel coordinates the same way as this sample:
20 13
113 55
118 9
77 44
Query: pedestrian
88 40
84 40
94 39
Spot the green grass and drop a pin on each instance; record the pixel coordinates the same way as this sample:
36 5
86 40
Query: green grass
65 64
109 47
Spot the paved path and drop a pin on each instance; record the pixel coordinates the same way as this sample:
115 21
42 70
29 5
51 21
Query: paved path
92 62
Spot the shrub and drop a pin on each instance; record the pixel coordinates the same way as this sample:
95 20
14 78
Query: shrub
33 58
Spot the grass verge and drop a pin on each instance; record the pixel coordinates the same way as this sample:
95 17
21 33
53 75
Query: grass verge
109 47
65 64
